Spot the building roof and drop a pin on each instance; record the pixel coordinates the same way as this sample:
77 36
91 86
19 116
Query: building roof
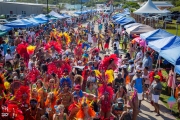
23 3
161 4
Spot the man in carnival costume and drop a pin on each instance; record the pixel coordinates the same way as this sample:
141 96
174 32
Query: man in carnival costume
65 95
34 112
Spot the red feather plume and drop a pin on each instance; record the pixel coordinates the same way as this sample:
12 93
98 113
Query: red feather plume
54 44
52 68
32 75
19 94
104 88
106 61
78 50
14 112
66 67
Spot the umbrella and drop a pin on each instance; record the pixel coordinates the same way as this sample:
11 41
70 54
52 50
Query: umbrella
171 101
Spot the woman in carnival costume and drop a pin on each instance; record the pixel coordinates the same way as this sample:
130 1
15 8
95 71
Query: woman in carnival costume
85 111
105 94
42 94
65 95
22 96
2 88
78 52
50 103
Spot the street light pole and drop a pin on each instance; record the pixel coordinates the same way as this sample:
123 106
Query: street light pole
47 7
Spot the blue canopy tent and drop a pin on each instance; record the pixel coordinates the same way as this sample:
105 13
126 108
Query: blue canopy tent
65 15
5 28
37 21
118 16
165 43
19 24
41 17
155 35
30 21
173 56
131 25
56 15
125 21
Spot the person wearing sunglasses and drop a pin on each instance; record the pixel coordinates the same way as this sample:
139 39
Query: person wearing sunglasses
34 112
138 83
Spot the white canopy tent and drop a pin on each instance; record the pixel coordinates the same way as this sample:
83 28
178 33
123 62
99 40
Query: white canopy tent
149 7
139 29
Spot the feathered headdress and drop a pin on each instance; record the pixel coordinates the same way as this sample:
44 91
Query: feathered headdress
52 68
93 51
23 91
7 85
32 75
108 60
13 112
85 45
106 89
30 49
22 49
104 79
54 44
66 67
67 37
78 50
65 81
84 103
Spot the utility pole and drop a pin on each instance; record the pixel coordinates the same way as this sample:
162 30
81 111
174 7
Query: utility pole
47 7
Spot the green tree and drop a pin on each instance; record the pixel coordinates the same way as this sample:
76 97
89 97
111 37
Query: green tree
60 6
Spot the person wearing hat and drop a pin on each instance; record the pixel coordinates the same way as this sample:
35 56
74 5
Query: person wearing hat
81 94
34 112
138 83
156 91
118 108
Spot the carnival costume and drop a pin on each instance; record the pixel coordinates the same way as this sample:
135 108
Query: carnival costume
22 96
82 114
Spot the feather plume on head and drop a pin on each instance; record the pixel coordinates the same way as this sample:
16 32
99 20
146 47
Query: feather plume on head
109 60
85 106
55 45
104 78
65 81
78 50
23 94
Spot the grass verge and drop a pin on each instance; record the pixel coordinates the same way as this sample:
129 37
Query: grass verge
164 97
